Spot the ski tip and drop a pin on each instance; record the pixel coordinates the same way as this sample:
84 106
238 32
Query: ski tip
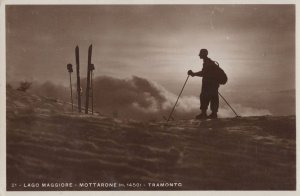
91 46
77 47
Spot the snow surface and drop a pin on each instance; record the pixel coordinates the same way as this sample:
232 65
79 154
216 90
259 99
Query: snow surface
46 142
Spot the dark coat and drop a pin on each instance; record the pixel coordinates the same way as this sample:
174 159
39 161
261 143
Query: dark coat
209 80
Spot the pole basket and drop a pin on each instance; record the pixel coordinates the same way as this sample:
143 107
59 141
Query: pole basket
70 68
91 67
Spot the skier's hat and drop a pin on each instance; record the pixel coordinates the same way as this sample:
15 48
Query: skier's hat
203 52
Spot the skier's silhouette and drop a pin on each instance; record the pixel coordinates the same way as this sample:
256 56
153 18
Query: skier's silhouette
210 86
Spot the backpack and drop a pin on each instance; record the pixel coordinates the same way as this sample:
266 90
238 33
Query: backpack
221 76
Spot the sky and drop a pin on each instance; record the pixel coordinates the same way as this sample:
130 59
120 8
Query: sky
254 44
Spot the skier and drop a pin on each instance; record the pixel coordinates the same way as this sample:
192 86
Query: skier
210 86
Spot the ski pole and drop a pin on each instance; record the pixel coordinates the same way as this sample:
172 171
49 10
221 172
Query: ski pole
229 105
178 98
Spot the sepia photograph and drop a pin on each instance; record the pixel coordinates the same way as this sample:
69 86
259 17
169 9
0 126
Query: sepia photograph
150 97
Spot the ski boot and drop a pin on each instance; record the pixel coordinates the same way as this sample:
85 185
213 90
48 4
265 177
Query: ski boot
213 115
203 115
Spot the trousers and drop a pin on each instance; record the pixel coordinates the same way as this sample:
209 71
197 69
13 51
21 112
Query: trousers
209 96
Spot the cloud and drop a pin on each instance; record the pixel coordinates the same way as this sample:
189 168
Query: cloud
49 89
137 98
140 99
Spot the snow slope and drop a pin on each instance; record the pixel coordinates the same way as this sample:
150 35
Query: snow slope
46 143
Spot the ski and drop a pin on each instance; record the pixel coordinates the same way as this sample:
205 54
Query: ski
88 80
70 70
78 78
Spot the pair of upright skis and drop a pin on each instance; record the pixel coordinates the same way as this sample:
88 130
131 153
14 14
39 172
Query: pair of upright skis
89 86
